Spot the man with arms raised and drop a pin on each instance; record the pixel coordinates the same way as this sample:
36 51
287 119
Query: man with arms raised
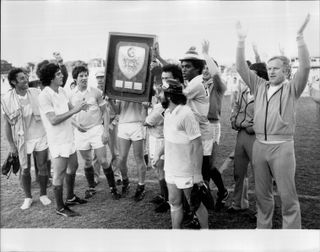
274 124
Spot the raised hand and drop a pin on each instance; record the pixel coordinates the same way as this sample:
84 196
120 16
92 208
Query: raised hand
155 50
255 47
205 47
242 34
303 26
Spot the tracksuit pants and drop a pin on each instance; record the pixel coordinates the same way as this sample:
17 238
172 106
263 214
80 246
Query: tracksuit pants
242 157
276 161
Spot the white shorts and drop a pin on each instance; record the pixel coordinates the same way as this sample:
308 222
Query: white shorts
37 144
183 182
62 150
91 139
207 145
155 145
216 130
131 131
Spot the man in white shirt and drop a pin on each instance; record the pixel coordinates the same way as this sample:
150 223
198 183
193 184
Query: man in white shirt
183 152
56 113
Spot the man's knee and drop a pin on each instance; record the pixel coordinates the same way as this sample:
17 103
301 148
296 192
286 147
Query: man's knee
175 208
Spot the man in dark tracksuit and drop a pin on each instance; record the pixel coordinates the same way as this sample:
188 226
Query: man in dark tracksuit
274 125
242 121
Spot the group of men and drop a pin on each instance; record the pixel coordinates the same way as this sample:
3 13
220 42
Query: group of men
184 132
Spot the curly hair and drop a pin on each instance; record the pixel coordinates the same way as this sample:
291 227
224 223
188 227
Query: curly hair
78 69
175 70
47 73
12 76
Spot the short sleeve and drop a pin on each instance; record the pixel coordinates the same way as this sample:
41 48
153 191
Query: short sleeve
192 90
191 126
155 117
99 97
45 103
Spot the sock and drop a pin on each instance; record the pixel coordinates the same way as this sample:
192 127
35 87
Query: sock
89 172
146 159
110 177
58 195
70 178
163 188
26 184
49 168
125 181
217 179
43 181
206 168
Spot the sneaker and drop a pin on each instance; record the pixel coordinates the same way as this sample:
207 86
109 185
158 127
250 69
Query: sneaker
67 212
193 224
159 199
75 201
162 208
125 188
221 200
114 193
26 203
90 192
45 200
119 182
140 193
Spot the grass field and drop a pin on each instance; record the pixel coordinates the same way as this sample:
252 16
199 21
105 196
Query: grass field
102 212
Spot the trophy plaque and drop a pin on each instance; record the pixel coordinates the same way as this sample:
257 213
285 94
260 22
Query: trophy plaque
128 75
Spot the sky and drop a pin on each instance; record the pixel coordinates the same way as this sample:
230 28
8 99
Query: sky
32 30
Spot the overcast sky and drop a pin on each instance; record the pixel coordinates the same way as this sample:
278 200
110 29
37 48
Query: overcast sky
32 30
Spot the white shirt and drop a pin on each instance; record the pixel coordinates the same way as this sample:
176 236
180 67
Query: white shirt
50 101
180 128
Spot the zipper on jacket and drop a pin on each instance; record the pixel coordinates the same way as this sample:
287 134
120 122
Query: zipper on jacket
266 116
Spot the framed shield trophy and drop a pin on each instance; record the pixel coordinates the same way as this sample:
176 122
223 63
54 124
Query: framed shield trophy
128 75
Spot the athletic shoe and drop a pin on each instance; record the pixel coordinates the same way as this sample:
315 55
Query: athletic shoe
159 199
119 182
67 212
193 224
221 200
26 203
45 200
162 208
140 193
90 192
125 187
114 193
75 201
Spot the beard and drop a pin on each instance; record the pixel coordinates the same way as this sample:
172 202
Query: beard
165 103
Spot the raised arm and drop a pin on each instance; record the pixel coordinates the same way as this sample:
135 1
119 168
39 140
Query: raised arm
248 76
213 69
300 79
256 53
156 54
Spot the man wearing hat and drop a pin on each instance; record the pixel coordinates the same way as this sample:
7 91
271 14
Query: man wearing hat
198 100
183 152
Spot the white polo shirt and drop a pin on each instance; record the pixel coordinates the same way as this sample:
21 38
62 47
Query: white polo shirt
180 128
93 116
50 101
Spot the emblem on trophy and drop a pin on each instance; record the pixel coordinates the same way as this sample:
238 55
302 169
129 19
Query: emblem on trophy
131 60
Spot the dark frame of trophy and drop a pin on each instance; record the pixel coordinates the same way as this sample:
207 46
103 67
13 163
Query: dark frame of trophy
128 75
